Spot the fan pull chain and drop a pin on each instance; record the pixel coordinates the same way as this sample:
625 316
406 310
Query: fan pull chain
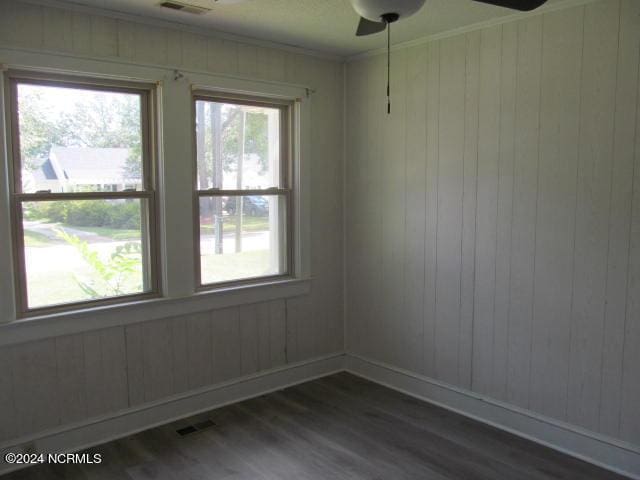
388 68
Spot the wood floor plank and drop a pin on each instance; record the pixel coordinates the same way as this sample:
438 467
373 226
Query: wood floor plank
281 420
340 427
448 458
534 459
390 462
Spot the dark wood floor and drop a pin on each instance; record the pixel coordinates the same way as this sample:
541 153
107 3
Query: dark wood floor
339 427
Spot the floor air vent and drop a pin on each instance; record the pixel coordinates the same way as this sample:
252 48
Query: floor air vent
196 427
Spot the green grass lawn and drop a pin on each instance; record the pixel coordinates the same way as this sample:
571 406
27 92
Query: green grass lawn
50 288
234 266
119 234
35 239
53 285
59 287
56 287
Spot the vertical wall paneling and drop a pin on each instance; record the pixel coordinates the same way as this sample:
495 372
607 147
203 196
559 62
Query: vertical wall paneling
174 47
126 39
35 400
93 374
249 339
150 44
292 316
528 281
620 217
414 271
135 366
391 166
103 37
336 258
393 209
248 60
525 187
263 321
450 186
506 146
366 208
487 208
319 316
57 29
225 331
555 225
355 201
431 213
467 271
194 51
70 368
597 112
376 118
277 334
158 361
103 371
630 423
199 349
22 25
222 56
366 213
178 348
275 65
8 421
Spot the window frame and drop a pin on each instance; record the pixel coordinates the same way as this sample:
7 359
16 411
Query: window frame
150 233
286 188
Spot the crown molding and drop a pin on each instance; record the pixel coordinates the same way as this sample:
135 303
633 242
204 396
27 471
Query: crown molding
562 5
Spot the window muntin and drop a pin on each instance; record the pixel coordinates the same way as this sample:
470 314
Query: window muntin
243 189
83 197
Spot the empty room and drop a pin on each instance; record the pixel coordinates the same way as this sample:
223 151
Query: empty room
319 239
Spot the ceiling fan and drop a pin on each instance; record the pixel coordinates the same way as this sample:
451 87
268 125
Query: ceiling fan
378 15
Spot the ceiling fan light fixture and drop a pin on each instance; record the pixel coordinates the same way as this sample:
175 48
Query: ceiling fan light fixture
378 15
375 9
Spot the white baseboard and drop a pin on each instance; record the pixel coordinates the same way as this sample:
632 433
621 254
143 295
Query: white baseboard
608 453
120 424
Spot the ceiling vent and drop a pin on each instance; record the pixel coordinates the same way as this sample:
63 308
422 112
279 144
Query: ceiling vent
185 7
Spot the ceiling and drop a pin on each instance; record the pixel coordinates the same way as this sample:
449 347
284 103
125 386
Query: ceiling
327 26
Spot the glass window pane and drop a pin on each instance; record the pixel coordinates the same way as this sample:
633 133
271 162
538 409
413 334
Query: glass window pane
78 140
80 250
242 237
238 146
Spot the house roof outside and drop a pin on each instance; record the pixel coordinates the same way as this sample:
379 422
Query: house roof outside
88 165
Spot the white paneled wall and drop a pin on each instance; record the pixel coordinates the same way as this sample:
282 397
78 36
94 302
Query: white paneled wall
493 219
56 381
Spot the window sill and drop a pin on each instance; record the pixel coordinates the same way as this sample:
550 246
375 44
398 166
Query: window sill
46 326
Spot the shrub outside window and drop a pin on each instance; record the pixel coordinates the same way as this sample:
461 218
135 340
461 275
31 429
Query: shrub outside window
242 189
83 191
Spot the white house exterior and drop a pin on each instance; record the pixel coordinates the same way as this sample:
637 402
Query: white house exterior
72 169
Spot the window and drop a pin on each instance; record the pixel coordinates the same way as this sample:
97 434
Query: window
243 189
83 195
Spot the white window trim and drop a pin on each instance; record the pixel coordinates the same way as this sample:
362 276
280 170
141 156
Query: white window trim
147 95
283 187
175 196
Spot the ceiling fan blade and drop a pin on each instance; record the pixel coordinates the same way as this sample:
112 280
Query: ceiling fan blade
522 5
367 27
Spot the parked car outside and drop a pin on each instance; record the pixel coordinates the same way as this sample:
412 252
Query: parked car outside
254 206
